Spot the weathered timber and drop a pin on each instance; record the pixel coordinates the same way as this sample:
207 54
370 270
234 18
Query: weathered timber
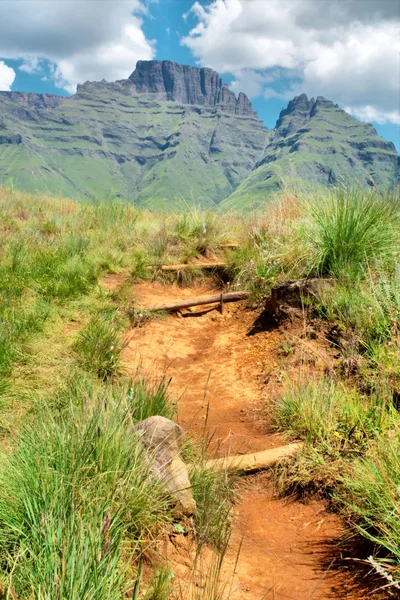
228 245
185 266
258 461
200 300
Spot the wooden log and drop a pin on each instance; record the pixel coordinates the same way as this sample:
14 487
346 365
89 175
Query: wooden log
185 266
228 245
251 463
200 300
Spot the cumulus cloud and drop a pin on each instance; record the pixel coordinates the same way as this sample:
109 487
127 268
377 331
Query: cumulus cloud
83 39
7 76
347 51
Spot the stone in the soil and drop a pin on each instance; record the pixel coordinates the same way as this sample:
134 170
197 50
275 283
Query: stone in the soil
163 441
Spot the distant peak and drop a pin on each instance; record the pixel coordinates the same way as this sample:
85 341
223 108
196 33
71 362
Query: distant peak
299 103
188 85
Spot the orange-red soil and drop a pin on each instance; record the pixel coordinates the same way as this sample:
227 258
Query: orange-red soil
224 369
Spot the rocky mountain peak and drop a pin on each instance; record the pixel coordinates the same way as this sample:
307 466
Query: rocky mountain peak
187 85
298 113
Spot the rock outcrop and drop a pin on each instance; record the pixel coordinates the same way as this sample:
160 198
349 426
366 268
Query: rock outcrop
187 85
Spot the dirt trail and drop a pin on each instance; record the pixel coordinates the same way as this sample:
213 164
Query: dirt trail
222 367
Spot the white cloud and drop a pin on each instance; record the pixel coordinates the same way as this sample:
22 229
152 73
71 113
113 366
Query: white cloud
7 76
369 113
31 65
82 38
347 51
251 81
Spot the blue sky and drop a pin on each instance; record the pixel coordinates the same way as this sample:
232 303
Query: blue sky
347 50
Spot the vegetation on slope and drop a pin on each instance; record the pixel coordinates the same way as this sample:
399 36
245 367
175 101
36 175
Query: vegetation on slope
110 141
318 143
75 514
77 506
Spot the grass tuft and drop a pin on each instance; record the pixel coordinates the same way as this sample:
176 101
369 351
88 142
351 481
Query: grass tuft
351 231
77 502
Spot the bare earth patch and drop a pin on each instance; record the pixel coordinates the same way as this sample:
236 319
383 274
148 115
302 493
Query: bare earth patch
224 368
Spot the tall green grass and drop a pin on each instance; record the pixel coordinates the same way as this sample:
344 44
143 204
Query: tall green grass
77 504
99 347
371 497
351 451
351 231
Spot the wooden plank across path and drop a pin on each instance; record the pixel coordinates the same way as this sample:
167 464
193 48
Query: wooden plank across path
250 463
221 298
187 266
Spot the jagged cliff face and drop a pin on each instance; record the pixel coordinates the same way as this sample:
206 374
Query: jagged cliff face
36 101
173 133
187 85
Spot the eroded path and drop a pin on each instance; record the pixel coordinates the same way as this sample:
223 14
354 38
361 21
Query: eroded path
223 368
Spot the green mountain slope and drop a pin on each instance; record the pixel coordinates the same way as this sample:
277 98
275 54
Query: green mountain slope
104 142
173 133
318 142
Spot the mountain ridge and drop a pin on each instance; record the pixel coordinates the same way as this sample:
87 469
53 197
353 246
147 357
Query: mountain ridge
171 132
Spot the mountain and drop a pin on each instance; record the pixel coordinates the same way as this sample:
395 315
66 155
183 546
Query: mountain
316 141
172 133
168 133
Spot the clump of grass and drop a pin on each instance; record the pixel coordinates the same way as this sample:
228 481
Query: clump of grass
366 315
99 347
351 451
147 399
272 249
371 497
336 423
199 231
350 230
213 493
332 414
77 504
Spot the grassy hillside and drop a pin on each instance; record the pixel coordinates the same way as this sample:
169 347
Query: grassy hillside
77 511
319 143
104 143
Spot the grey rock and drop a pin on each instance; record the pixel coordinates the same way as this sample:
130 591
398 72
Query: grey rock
187 85
163 441
36 101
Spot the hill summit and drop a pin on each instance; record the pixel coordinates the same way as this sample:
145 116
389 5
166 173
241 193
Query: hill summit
187 85
173 132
